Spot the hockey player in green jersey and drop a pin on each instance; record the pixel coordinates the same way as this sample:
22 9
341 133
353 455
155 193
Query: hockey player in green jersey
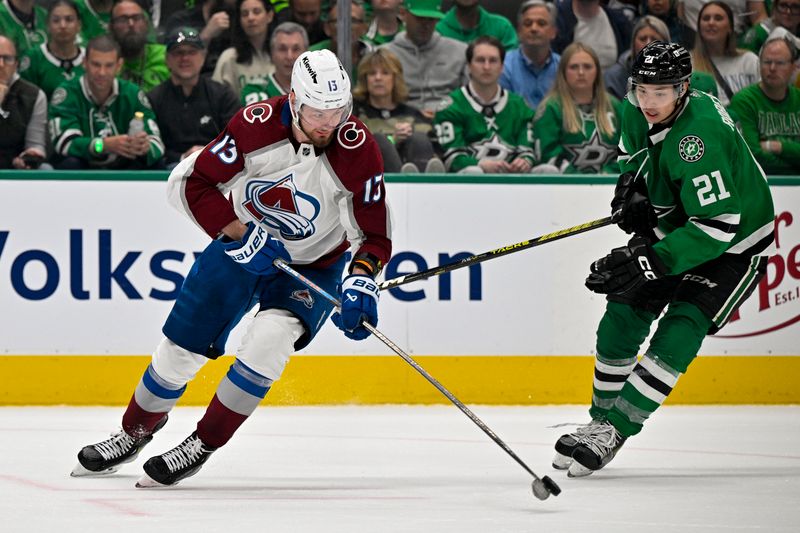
486 128
90 117
703 220
576 128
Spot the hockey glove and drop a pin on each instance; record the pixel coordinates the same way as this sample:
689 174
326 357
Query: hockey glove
631 208
625 268
359 296
256 251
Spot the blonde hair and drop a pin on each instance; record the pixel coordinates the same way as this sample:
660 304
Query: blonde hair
571 117
380 58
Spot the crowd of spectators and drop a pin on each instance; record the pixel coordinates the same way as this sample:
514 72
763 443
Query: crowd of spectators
468 86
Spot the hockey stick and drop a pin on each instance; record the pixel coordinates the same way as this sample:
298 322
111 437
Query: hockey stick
505 250
542 487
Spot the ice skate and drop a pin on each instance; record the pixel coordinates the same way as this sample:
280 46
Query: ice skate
595 450
182 461
565 445
108 456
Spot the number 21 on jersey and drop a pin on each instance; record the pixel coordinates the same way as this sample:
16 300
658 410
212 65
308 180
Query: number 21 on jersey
709 192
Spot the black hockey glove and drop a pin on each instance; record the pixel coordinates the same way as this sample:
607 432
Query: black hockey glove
631 208
625 268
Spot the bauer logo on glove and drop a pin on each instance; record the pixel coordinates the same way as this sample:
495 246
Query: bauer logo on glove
359 296
256 251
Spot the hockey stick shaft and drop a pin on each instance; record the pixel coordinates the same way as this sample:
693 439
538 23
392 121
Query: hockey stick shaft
282 265
505 250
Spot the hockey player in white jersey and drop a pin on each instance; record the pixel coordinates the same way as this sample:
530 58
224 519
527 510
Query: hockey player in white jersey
294 177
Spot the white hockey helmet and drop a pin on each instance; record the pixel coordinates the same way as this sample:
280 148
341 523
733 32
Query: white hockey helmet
320 82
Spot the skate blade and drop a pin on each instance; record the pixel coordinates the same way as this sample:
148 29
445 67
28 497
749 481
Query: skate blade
146 482
578 470
561 461
81 471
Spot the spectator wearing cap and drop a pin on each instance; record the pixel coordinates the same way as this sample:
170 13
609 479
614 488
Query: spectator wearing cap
143 63
288 42
190 109
467 20
434 65
213 18
530 70
23 114
247 61
24 23
768 112
608 30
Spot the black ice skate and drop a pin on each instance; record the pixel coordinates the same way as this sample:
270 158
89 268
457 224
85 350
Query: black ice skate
566 444
182 461
108 456
595 450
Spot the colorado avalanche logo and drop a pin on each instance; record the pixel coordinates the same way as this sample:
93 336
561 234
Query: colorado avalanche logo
259 111
303 296
279 205
350 136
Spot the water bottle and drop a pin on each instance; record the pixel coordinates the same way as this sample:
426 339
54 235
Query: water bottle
137 123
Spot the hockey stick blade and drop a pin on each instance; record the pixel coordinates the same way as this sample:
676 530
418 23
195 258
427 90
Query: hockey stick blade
505 250
542 487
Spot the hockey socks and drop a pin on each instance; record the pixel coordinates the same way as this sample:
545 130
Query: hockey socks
152 399
238 395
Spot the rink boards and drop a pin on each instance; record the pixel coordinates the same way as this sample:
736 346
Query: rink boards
89 269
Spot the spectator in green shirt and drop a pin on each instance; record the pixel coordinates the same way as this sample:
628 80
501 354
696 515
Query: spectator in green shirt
144 63
467 20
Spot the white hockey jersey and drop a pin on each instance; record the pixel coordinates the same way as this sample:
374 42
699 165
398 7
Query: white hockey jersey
314 200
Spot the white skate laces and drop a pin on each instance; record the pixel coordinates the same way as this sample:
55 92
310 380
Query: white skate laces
118 445
185 454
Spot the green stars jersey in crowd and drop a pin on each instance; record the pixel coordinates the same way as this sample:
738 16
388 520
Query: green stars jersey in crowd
587 150
46 71
75 119
92 22
255 92
710 194
14 29
469 132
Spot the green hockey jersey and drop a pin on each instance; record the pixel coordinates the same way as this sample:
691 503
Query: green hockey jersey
45 70
92 22
24 37
76 120
255 92
469 131
709 193
762 119
585 151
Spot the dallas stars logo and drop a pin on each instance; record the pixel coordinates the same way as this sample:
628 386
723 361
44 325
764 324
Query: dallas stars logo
691 148
493 148
592 154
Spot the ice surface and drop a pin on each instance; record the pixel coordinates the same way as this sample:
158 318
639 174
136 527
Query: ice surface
415 469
